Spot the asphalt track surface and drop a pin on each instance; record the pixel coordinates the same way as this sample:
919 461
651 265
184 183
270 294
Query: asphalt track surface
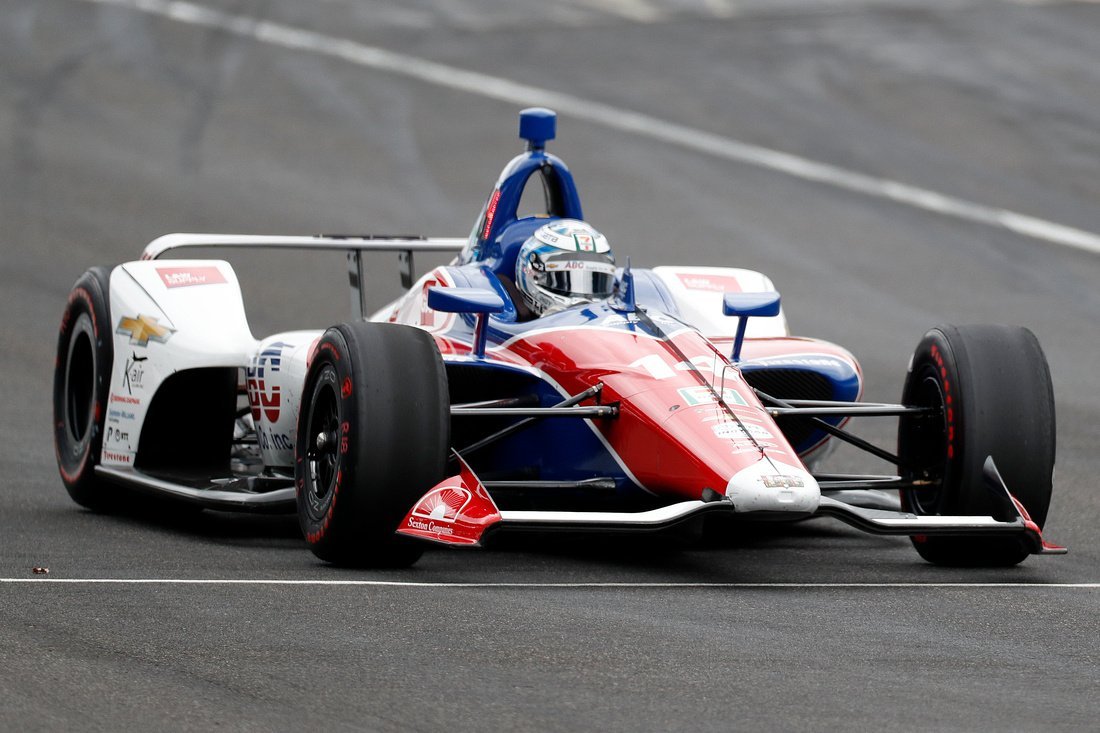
118 124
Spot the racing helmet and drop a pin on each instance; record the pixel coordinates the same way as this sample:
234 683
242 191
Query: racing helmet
564 263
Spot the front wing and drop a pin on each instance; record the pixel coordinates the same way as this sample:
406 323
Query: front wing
460 512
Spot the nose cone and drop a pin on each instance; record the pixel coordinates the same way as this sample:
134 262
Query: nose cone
770 486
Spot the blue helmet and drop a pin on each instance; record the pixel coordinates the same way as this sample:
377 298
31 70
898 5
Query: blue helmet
564 263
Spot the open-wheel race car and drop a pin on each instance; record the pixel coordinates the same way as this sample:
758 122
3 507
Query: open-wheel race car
535 384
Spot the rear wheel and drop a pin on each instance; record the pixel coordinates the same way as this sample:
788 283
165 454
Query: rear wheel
82 378
993 396
373 435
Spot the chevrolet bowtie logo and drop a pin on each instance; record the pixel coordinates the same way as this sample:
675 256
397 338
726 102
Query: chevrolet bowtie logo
143 328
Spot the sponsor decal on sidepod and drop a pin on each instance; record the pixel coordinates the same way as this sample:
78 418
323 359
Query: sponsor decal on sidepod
183 277
133 373
142 329
710 283
262 401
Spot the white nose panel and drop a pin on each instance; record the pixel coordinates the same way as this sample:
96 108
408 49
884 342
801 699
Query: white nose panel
769 486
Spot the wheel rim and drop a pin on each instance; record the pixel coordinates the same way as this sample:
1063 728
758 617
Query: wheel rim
80 379
926 446
322 438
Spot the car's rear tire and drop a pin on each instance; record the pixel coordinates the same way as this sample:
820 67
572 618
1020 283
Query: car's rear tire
992 388
81 382
377 393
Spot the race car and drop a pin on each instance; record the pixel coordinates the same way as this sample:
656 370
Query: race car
535 383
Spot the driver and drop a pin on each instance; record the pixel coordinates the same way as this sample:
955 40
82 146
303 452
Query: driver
564 263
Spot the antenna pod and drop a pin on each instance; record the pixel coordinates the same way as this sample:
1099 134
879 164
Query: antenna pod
536 126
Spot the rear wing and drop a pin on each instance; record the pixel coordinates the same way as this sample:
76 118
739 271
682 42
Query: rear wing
353 245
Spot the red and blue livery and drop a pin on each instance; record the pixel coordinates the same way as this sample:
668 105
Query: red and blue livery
643 400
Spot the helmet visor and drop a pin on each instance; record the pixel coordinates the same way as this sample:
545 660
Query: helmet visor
578 277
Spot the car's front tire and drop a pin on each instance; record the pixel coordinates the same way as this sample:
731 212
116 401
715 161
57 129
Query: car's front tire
373 435
993 396
82 380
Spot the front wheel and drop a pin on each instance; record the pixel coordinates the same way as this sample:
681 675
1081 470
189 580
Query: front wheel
81 381
991 391
373 435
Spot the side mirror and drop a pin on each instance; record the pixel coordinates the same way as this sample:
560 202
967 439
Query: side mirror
745 306
750 304
464 300
468 300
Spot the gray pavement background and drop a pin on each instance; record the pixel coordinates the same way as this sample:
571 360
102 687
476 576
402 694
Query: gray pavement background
116 126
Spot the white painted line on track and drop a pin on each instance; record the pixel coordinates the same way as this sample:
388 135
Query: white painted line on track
416 584
717 146
639 11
